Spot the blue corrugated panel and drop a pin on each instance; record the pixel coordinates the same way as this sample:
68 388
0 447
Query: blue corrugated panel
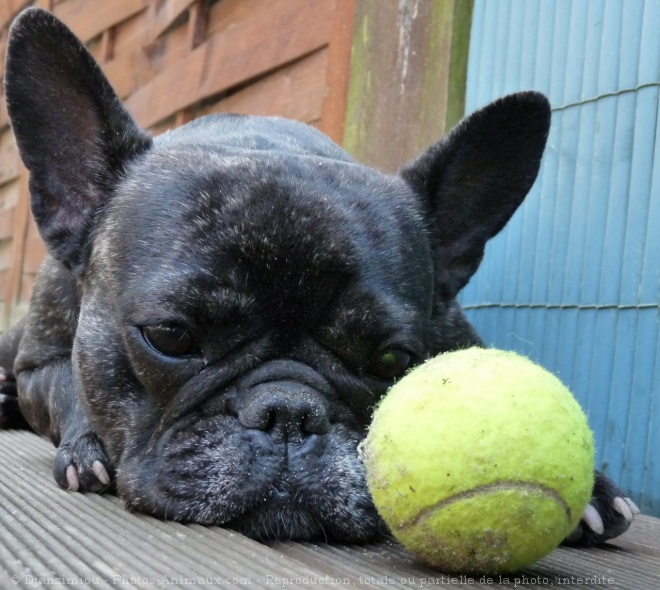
574 279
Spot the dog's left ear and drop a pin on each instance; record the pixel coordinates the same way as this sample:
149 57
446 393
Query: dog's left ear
472 181
73 133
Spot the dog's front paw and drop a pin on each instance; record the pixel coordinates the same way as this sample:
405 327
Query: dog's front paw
608 515
10 414
82 465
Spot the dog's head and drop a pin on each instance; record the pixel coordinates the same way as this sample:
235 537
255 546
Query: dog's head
249 291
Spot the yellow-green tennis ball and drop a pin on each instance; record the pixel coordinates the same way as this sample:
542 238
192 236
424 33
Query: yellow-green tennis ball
480 461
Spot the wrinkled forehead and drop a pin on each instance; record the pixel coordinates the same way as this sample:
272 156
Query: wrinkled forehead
198 208
274 224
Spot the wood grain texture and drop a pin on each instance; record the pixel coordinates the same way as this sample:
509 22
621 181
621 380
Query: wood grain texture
282 32
338 71
296 91
400 72
162 15
89 18
12 287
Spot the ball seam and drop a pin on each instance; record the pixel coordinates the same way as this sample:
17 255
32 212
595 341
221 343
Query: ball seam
485 489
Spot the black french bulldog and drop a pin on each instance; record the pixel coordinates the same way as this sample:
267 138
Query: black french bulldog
223 305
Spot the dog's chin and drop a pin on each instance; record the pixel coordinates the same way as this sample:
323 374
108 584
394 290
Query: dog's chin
277 519
278 522
289 521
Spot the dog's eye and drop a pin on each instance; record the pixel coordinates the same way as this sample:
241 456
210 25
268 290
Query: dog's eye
169 340
390 364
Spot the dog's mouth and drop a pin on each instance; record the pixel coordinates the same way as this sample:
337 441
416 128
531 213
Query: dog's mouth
216 472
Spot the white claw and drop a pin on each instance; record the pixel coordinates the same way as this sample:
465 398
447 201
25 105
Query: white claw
101 472
72 478
620 505
593 520
633 506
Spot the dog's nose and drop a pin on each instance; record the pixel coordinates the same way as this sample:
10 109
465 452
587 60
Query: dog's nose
284 409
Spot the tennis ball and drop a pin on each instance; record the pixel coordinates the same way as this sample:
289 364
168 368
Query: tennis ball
479 461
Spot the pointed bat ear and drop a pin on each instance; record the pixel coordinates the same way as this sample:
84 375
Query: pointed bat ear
472 181
73 133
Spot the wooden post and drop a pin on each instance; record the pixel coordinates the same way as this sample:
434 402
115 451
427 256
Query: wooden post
407 82
339 61
197 19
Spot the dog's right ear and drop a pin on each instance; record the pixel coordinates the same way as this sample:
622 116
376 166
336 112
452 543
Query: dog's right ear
73 133
472 181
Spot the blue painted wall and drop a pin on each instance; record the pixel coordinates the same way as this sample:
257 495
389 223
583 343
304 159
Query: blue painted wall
574 280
